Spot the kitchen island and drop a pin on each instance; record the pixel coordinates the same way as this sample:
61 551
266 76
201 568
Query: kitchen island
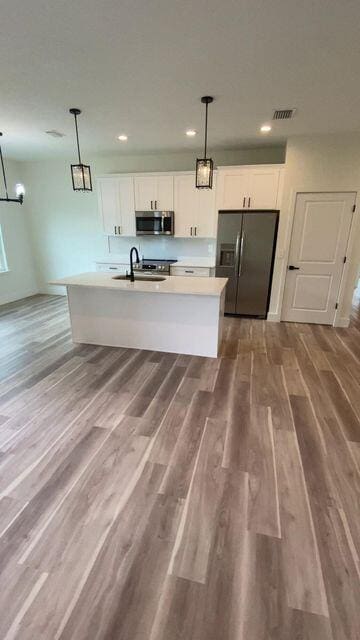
174 314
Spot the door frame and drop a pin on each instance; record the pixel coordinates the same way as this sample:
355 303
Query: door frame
339 320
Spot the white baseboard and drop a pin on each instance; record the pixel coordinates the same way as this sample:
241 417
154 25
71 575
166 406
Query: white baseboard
53 290
12 297
343 322
273 317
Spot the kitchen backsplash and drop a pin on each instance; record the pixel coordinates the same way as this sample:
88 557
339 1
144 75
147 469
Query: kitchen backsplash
162 248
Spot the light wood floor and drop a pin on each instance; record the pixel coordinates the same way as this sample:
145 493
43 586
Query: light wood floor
148 496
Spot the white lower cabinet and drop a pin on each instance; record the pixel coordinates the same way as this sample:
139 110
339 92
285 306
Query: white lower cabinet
117 206
108 267
195 214
199 272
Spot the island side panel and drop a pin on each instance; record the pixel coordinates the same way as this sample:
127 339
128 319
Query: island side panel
177 323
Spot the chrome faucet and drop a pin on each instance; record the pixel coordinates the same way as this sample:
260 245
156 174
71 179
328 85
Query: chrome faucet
132 277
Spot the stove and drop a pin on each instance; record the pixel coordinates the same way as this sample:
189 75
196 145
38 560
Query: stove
157 266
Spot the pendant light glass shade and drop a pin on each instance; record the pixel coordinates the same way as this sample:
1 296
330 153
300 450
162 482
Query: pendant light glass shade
205 166
204 173
81 177
80 173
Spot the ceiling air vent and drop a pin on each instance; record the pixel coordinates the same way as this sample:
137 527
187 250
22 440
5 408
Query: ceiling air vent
55 134
283 114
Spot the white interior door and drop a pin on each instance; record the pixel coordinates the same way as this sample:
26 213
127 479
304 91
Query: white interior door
316 260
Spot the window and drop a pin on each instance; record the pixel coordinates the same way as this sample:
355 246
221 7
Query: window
3 262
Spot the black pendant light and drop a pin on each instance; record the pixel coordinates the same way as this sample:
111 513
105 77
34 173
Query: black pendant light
205 166
19 187
80 173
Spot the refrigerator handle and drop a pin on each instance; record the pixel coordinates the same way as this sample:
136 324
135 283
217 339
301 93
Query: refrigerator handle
237 253
241 252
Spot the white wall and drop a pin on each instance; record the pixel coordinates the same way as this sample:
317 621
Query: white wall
318 163
66 230
20 280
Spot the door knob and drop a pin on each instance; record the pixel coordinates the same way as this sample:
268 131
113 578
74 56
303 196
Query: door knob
292 268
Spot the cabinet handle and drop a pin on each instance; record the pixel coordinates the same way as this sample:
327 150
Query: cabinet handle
191 231
188 271
115 230
249 202
195 230
244 202
155 204
151 207
119 228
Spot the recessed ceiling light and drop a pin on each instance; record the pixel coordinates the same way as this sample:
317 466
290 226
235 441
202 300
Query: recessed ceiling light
123 137
265 128
191 133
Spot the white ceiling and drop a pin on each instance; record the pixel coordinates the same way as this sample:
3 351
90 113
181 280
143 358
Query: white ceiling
141 66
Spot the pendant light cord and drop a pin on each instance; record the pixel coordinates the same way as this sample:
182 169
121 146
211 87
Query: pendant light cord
77 137
3 171
206 127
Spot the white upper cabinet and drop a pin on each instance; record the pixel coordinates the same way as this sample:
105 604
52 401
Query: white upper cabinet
241 187
195 214
206 219
264 188
165 193
145 193
116 205
185 205
154 193
233 188
250 187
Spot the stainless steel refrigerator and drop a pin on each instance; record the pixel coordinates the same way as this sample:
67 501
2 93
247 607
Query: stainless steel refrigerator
245 254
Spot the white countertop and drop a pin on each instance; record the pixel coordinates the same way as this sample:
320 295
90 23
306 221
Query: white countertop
181 262
172 284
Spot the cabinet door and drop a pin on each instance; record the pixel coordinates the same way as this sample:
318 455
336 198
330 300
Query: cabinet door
164 199
199 272
127 206
145 193
109 205
263 188
186 204
205 222
233 187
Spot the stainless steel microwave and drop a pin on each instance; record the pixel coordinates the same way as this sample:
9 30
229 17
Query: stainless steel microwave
154 223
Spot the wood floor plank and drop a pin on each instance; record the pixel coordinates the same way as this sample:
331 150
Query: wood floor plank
350 422
301 564
264 609
263 513
190 557
121 605
180 468
197 611
155 496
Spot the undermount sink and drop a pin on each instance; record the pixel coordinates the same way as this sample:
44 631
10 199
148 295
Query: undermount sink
141 278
